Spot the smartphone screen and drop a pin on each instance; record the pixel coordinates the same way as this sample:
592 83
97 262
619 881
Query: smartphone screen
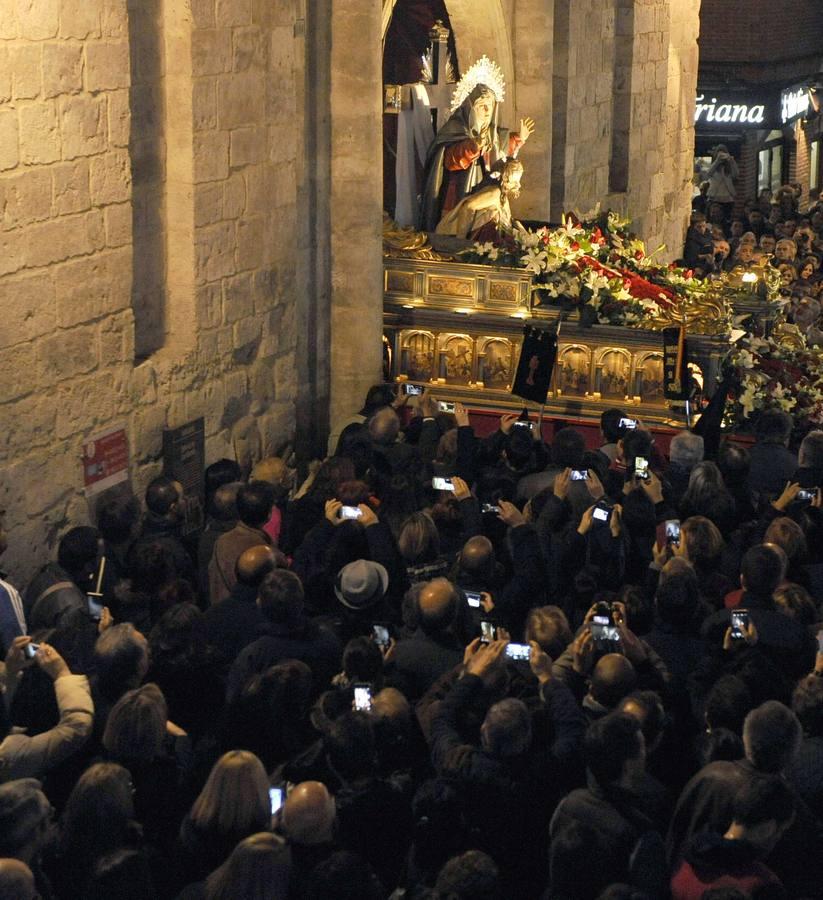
350 512
580 475
474 599
641 468
381 635
489 508
413 390
442 484
628 423
362 697
31 650
276 797
600 515
673 531
806 495
740 623
606 637
521 424
95 609
445 406
518 651
487 632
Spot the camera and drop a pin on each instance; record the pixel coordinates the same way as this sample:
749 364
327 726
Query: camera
806 495
606 637
442 484
521 424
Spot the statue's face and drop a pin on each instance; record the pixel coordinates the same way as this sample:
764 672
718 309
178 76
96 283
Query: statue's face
511 180
483 110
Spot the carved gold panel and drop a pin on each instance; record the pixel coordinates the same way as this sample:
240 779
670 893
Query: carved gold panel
495 362
572 374
417 355
503 291
455 358
612 373
444 286
648 378
400 282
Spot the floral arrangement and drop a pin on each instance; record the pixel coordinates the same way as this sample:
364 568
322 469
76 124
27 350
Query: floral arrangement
777 372
597 266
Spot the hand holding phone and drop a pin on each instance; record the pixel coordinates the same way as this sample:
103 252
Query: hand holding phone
673 532
579 475
641 468
31 650
381 636
740 624
442 484
487 632
518 652
445 406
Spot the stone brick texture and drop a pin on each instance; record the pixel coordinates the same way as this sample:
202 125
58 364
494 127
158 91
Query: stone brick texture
188 194
85 227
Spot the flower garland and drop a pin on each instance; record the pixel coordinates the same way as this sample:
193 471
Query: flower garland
773 373
596 266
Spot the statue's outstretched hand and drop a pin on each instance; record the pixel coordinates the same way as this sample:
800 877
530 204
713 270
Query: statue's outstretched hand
526 128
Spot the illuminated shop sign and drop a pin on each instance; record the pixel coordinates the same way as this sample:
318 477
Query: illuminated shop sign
794 103
719 110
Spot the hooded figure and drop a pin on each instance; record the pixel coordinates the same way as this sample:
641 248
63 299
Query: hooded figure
464 151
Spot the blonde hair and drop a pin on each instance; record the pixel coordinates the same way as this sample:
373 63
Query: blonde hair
419 540
258 869
235 797
136 726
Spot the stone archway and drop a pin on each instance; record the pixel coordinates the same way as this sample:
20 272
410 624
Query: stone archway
480 26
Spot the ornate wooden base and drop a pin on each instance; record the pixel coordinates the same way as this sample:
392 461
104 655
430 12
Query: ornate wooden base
457 327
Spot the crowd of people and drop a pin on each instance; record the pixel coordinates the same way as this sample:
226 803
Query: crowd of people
770 231
437 666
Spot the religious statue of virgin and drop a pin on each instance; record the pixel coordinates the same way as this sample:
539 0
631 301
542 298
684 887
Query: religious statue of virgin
470 144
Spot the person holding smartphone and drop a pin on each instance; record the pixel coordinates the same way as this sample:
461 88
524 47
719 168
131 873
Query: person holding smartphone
22 756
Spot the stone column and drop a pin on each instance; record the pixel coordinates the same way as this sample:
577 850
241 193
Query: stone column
355 206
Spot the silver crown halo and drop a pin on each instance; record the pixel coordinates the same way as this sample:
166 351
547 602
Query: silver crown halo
484 71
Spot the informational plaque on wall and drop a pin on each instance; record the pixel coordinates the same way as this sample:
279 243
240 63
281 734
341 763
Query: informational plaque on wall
184 460
105 460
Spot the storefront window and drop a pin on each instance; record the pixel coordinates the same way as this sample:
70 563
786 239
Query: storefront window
770 163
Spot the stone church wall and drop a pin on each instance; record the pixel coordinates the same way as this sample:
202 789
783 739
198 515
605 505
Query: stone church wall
148 156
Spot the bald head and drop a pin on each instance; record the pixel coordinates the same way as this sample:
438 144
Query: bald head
613 678
16 880
384 426
309 814
255 563
391 704
477 555
437 605
224 501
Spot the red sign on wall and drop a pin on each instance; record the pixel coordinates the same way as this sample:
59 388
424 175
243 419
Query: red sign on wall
105 460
